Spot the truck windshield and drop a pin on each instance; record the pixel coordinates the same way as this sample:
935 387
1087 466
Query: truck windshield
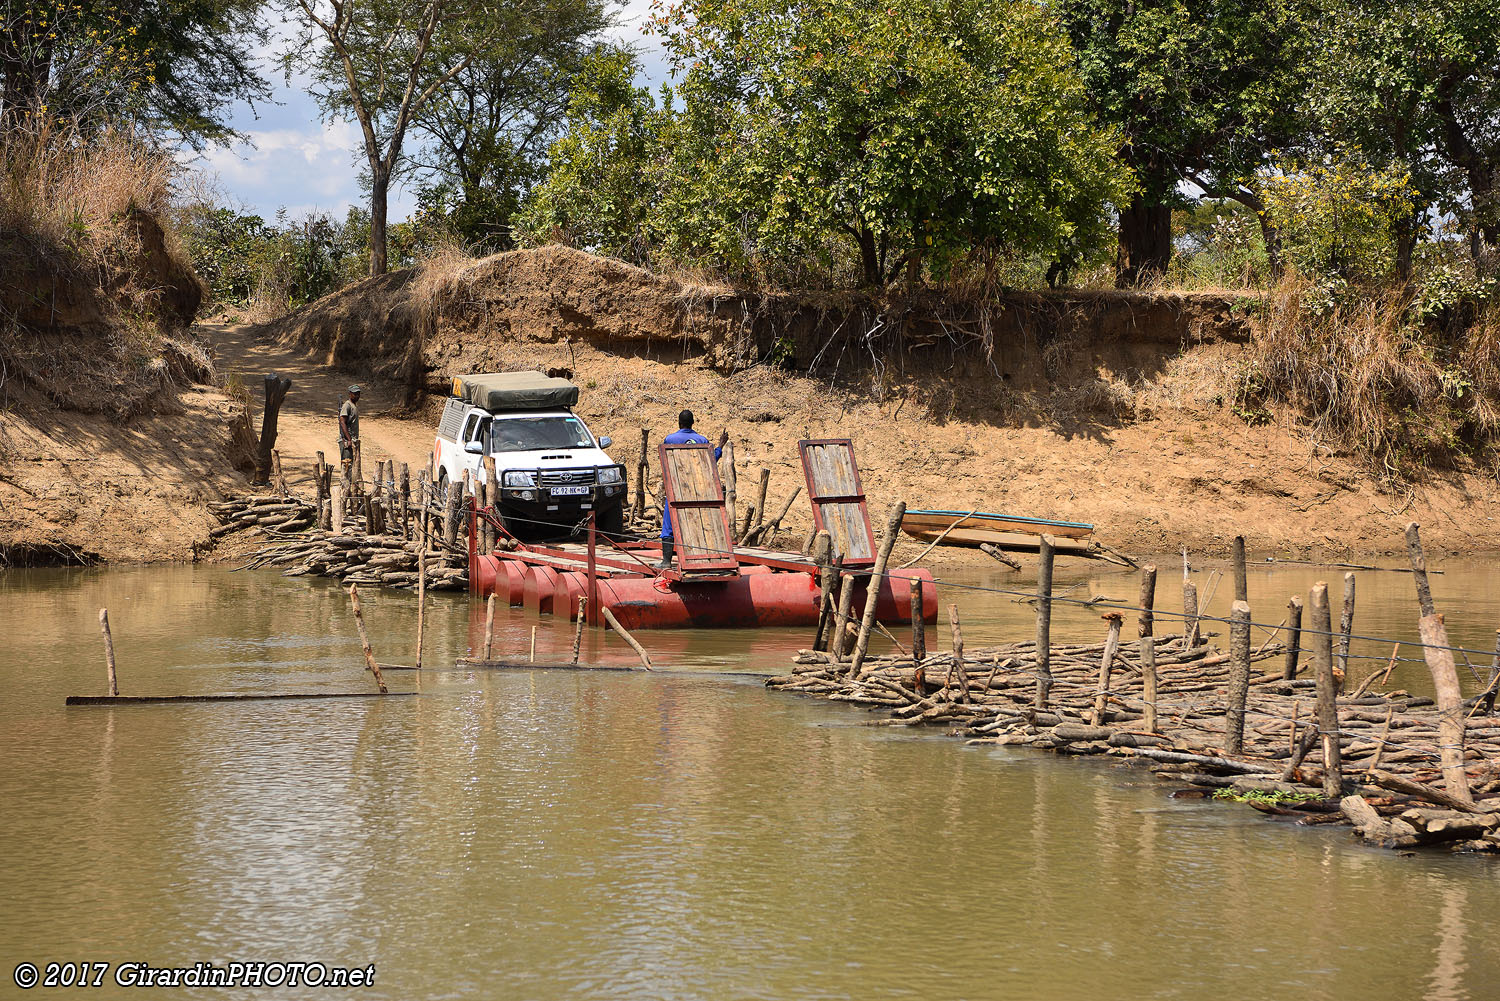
528 434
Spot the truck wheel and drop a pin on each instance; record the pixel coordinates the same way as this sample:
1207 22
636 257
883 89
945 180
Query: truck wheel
442 487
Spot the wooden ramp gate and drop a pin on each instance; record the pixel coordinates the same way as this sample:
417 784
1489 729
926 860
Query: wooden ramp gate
695 501
838 499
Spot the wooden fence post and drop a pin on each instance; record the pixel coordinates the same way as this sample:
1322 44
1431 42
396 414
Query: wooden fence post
1043 624
1328 712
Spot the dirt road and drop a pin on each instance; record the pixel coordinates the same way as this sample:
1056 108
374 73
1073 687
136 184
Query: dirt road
309 417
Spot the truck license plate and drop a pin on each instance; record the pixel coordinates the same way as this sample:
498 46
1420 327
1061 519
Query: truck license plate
570 491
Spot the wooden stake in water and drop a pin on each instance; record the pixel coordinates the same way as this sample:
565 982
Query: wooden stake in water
109 652
614 624
533 644
1239 678
1148 645
1346 625
489 628
1191 636
872 591
1107 663
1241 584
421 593
1450 698
1043 624
841 617
578 629
962 676
1328 713
1293 638
918 625
364 640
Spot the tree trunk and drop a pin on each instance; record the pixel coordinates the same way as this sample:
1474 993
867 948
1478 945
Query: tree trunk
380 186
869 257
1270 233
276 389
1145 243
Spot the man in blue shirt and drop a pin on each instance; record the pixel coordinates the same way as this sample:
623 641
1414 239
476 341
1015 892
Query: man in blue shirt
684 435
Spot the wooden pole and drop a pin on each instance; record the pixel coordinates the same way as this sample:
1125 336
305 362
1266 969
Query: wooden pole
1346 625
276 389
1106 663
491 495
364 640
744 531
533 644
642 472
1239 678
760 497
405 501
593 571
1190 625
1043 624
961 675
421 594
1328 712
1294 637
990 549
729 487
841 619
489 628
109 652
336 517
918 625
615 625
872 592
578 629
768 530
1450 697
1241 584
1488 701
1148 644
277 478
827 578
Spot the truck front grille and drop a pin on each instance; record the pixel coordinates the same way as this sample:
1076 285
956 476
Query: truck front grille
567 477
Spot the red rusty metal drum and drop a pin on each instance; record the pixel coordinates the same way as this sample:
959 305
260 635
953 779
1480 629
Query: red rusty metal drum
750 600
538 589
569 588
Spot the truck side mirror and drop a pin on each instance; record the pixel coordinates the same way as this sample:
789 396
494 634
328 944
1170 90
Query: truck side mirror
474 447
606 441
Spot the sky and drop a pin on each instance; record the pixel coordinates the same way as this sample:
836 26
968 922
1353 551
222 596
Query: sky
296 161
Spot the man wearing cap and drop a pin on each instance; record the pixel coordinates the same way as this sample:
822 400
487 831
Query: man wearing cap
684 435
349 429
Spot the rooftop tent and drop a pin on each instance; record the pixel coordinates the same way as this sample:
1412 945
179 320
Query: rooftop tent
515 391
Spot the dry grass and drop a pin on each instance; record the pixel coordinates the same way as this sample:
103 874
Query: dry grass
1402 397
84 305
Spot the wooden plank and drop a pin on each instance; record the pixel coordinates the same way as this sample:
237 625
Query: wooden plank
917 522
695 498
113 700
838 499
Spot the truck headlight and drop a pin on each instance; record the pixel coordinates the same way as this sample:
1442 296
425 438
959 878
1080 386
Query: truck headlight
518 478
609 474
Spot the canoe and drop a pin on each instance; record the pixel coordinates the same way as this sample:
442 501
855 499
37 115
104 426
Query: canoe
1003 530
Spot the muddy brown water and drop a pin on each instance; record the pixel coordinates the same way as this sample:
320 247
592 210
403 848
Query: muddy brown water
680 835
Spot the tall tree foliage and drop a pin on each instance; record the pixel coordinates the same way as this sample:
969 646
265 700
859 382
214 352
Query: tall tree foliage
381 62
911 129
1417 84
485 135
173 66
1203 91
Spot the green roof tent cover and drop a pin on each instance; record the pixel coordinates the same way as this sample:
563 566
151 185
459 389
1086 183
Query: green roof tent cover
515 391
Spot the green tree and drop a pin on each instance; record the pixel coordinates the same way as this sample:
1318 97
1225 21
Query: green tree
1417 84
382 62
913 129
486 133
1202 90
602 180
175 66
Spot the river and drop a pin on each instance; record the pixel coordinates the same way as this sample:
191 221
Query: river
685 834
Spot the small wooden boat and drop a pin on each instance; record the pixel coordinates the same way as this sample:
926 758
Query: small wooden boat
1003 530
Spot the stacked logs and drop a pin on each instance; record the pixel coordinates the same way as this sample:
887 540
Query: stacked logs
379 560
266 513
1388 756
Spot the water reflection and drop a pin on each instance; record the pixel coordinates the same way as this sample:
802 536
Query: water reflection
622 835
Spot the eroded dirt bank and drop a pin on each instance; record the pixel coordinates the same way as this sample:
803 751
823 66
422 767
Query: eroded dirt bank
1110 408
1102 407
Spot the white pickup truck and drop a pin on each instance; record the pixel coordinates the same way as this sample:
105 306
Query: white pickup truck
552 470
